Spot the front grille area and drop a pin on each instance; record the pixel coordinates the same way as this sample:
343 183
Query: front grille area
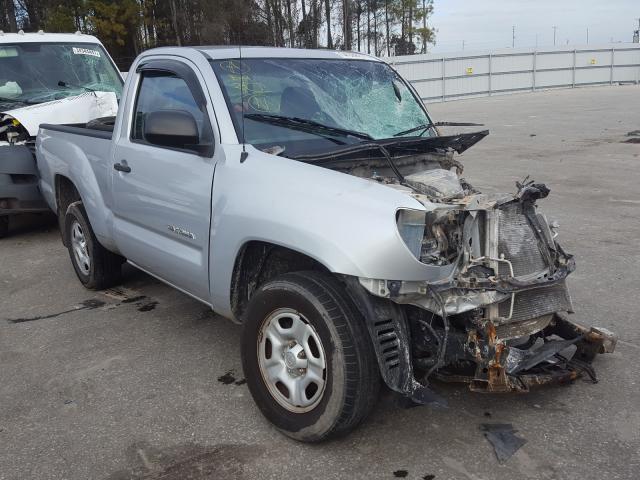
518 242
537 302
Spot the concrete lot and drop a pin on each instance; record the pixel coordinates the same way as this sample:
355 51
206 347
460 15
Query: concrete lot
130 388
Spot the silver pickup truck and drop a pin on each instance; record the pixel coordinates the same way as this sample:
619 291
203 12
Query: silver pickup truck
309 196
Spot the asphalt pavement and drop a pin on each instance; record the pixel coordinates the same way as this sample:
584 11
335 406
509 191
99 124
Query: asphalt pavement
143 382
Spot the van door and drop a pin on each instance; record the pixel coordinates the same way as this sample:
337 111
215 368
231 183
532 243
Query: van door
162 191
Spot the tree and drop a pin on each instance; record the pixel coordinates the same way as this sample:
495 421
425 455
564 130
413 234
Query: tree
8 20
328 20
127 27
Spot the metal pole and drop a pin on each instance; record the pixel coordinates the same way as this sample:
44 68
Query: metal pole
587 35
443 80
554 35
613 53
535 56
513 36
490 71
573 77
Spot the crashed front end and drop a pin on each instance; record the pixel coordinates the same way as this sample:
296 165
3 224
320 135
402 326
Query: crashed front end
18 172
19 190
497 315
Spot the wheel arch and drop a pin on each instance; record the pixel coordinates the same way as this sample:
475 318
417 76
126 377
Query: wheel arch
66 193
258 262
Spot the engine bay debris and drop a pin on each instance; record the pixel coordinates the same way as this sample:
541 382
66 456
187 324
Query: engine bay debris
502 437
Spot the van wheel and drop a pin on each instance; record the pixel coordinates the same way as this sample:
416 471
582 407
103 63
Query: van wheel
96 267
4 226
307 357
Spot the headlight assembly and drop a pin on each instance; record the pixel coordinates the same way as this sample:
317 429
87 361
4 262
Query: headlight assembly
411 224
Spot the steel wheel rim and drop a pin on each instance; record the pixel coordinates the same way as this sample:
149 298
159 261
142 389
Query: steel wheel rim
292 360
80 248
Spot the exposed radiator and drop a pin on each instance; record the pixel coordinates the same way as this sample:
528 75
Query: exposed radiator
537 302
518 242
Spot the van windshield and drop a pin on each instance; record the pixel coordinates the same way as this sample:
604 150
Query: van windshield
32 73
354 99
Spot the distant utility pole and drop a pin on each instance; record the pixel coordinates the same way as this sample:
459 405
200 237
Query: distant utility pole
554 35
536 40
587 35
463 45
424 26
513 36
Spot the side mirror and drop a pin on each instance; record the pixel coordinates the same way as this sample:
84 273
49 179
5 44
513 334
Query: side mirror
172 128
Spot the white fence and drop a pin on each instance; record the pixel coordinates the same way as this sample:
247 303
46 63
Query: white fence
454 76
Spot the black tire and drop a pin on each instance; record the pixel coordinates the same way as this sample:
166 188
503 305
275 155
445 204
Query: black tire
4 226
104 268
352 378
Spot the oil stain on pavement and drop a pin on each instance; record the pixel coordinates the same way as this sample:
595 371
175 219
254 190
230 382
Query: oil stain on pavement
123 297
90 304
187 462
229 378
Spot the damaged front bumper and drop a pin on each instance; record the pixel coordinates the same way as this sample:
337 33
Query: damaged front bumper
562 353
496 320
19 191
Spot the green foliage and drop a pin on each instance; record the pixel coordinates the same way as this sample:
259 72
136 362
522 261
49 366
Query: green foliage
60 18
127 27
113 21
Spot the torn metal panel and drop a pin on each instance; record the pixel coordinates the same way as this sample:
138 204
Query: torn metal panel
388 328
502 437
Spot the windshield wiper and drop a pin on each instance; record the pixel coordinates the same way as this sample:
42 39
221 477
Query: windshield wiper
62 83
426 126
304 125
423 127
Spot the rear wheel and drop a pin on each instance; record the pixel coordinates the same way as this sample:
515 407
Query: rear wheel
95 266
307 357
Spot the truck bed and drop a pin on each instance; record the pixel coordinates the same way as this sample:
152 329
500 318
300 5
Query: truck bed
98 128
79 147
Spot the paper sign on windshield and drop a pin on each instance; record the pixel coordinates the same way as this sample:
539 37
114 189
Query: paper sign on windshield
86 51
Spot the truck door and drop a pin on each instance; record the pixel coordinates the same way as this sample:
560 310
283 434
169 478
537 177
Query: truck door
162 177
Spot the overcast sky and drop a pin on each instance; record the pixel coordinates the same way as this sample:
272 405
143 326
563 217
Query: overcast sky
486 24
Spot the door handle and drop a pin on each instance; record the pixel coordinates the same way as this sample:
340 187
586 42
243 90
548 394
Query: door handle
122 167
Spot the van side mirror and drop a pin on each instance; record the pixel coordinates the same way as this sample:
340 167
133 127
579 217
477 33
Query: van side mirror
172 128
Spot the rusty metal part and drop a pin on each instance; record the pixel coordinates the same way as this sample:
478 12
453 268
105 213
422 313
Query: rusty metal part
595 339
501 368
525 327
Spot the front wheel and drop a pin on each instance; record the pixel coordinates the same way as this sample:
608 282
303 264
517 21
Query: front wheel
307 357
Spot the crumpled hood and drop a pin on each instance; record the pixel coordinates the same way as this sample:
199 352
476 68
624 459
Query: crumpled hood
77 109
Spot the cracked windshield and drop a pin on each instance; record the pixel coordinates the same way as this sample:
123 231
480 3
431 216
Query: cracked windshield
300 104
32 73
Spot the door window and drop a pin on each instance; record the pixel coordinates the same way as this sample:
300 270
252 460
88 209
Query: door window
166 91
